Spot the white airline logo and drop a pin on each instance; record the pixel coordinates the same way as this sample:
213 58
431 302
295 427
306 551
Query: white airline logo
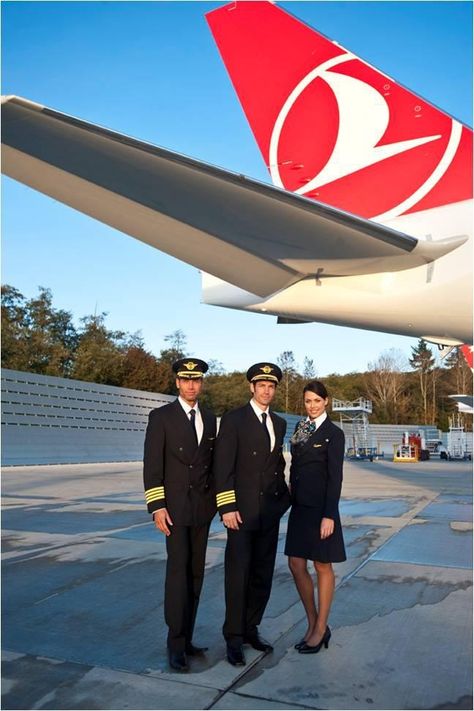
356 144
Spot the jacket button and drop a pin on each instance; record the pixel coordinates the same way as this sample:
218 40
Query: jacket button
205 466
254 453
276 473
261 493
190 466
190 486
180 449
276 493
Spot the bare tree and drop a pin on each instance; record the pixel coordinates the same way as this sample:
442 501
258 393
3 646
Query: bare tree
215 367
435 377
422 362
309 371
287 363
177 342
460 373
385 382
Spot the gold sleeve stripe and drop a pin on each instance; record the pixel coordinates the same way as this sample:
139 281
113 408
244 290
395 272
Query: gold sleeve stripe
231 495
157 497
153 489
229 491
227 497
154 494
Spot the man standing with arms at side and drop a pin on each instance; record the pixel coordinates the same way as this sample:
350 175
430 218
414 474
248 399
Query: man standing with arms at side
252 495
180 494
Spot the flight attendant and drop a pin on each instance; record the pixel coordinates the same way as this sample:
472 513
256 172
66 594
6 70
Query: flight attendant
180 493
252 495
314 526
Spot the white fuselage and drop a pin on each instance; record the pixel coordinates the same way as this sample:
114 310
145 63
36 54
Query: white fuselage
432 301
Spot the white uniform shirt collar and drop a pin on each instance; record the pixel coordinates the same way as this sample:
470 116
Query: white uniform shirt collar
269 422
258 410
198 422
187 407
319 420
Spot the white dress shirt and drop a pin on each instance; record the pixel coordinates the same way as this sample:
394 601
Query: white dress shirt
269 424
318 420
197 419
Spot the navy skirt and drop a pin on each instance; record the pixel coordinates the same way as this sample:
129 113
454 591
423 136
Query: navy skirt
303 539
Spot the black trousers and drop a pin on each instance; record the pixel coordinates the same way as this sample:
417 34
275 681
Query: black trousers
186 548
249 564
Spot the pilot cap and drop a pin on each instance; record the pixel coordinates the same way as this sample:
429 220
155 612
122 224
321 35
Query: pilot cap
190 368
264 371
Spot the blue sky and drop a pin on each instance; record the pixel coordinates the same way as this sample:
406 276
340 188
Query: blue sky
151 70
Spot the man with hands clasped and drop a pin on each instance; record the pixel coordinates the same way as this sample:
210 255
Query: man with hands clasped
251 498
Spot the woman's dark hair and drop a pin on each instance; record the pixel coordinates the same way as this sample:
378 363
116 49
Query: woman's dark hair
316 387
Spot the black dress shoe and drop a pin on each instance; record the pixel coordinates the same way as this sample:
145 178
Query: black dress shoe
300 644
314 649
258 643
193 651
235 656
177 661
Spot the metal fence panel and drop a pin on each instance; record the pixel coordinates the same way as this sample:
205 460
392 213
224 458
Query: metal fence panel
49 420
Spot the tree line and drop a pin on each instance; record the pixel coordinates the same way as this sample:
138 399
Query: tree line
39 338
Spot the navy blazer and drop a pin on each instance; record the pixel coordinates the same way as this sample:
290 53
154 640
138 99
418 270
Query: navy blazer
316 470
177 473
249 478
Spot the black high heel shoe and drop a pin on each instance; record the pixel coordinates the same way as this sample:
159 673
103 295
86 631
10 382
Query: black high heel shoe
308 649
300 644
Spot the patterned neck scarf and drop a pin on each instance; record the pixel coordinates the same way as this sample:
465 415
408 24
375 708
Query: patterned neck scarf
303 432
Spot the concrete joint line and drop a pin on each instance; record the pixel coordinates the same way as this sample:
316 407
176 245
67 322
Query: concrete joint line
245 671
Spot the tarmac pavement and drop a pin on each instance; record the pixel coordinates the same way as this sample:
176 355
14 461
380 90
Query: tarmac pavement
83 571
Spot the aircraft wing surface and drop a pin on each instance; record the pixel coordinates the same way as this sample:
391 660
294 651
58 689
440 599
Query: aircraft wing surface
255 236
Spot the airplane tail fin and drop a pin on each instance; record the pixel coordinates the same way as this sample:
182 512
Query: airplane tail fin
332 127
466 350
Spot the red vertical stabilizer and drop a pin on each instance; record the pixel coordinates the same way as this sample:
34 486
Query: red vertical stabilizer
333 128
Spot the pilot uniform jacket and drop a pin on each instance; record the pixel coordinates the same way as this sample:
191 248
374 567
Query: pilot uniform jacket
248 477
177 474
316 481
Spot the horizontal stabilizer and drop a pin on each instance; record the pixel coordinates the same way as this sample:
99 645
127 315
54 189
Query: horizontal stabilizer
257 237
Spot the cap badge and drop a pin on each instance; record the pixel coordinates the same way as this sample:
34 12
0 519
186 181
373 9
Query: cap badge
266 369
190 365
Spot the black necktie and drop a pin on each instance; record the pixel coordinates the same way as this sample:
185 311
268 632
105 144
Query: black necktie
264 423
192 415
